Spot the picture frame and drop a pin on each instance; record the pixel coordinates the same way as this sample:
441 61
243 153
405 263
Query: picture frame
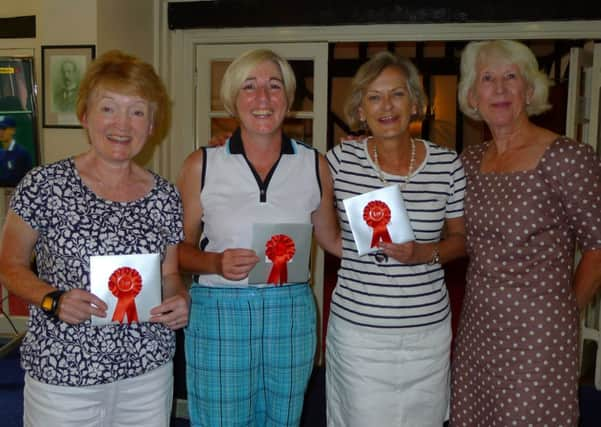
18 119
63 67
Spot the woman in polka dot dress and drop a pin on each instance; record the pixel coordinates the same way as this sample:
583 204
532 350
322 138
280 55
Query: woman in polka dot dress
531 195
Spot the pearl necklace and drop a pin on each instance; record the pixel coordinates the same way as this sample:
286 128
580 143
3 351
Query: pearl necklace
409 171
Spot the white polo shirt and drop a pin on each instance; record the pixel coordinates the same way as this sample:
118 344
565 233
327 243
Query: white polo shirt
233 196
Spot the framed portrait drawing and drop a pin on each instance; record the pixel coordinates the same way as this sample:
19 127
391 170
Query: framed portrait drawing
62 70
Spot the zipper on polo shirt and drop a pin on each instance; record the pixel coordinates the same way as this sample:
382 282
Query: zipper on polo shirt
260 183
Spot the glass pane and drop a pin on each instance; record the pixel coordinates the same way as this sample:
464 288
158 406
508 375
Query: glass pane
223 126
217 71
442 111
346 50
299 129
303 98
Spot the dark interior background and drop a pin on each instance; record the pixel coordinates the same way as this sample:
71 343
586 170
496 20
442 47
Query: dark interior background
272 13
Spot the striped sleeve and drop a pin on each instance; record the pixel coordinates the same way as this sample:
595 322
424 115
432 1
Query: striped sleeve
457 189
333 158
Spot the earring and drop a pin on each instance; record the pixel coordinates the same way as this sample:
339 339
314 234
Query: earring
475 110
363 125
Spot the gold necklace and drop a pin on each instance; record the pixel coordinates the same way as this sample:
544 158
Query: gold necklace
409 171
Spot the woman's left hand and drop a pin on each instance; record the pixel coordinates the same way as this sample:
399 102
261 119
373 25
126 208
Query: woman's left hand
405 253
173 312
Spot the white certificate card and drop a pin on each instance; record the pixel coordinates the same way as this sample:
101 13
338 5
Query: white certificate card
283 251
376 216
129 284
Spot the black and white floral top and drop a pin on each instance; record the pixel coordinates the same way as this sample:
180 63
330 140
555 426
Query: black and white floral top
73 224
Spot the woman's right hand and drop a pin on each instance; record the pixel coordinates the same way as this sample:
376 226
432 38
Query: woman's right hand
235 264
77 306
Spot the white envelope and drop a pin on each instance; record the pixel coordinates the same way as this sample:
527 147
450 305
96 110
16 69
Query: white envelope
296 268
387 199
129 284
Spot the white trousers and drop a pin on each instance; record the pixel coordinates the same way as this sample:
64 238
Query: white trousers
143 401
389 378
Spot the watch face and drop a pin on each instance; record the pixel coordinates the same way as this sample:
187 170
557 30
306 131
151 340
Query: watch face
47 303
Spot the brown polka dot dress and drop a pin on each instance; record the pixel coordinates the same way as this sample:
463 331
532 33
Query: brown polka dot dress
515 362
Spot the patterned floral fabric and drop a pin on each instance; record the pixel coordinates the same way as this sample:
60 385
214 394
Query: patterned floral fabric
73 224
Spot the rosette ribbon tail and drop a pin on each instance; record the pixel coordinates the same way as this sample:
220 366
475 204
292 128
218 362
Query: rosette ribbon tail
279 271
380 234
279 249
125 284
126 306
376 215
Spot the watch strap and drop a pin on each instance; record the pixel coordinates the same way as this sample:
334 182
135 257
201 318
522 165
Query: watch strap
51 301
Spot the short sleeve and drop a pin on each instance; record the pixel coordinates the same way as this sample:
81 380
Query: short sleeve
333 158
573 170
178 225
31 196
457 189
172 213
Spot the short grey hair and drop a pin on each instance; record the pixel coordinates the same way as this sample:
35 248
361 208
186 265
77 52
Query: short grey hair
513 52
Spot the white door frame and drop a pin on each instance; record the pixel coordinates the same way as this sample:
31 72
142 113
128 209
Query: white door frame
582 114
175 56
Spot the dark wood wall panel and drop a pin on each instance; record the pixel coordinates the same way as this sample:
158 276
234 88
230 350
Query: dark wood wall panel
20 27
272 13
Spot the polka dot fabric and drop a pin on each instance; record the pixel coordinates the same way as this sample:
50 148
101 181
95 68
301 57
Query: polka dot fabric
516 357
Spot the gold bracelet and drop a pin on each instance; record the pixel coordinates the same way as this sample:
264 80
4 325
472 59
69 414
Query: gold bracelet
435 256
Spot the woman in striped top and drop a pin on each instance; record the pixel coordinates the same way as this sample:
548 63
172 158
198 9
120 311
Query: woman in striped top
388 341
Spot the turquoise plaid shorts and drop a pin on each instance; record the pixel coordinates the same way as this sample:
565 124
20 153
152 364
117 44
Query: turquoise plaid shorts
249 354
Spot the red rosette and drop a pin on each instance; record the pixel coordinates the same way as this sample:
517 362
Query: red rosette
376 214
125 283
279 249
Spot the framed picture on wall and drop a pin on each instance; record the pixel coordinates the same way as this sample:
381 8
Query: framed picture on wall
62 70
19 150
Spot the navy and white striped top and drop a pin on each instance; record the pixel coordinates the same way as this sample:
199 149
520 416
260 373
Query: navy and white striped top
388 294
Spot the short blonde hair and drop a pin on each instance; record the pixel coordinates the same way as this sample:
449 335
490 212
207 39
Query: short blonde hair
123 73
514 53
369 71
238 71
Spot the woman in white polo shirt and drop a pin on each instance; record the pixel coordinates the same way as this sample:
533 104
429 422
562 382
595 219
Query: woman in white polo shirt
250 348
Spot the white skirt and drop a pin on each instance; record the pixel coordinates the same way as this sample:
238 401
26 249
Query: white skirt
144 400
387 378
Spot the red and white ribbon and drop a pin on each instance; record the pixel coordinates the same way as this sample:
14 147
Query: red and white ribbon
125 283
279 249
376 214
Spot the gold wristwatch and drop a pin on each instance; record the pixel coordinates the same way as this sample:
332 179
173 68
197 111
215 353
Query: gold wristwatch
50 302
